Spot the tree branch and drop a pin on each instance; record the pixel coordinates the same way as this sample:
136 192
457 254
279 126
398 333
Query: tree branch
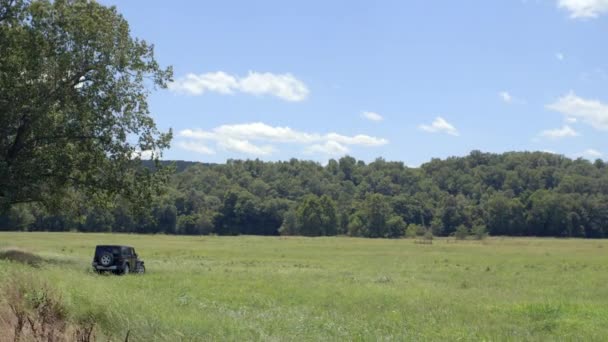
26 120
18 143
8 6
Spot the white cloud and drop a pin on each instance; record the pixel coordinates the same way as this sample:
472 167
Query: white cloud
592 112
242 137
196 134
244 146
262 131
565 131
570 120
584 8
591 153
195 147
329 148
146 154
284 86
218 82
505 96
559 56
359 139
440 125
372 116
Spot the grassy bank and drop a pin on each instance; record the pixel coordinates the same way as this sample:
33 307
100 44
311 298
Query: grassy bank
271 288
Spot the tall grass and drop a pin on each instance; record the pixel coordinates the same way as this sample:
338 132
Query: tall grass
265 288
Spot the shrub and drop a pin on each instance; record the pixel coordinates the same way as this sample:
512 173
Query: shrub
461 232
413 230
356 226
395 227
480 232
437 226
289 226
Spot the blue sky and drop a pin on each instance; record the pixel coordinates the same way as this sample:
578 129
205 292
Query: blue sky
404 80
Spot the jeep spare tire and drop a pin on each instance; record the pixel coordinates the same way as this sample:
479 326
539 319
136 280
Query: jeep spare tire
106 259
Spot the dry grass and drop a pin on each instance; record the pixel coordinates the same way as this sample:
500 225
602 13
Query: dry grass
31 310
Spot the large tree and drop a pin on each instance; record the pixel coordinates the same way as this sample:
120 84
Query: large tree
73 102
309 216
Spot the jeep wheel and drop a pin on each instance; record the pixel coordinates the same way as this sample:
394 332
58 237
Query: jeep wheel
141 269
106 259
125 270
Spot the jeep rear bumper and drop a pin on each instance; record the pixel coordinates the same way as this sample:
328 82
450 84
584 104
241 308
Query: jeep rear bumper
104 268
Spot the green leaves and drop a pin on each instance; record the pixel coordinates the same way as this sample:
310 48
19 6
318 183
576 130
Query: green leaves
73 103
316 216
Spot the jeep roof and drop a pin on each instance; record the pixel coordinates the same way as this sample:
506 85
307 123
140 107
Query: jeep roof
113 249
110 246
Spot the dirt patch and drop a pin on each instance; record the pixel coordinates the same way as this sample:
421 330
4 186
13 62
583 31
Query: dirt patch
31 330
20 256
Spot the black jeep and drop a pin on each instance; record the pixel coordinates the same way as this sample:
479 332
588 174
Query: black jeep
117 259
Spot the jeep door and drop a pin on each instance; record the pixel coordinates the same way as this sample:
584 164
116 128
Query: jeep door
131 258
127 256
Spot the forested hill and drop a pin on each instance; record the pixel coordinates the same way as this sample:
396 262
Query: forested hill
514 193
178 165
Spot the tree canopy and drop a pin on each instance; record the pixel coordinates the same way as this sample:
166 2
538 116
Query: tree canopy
514 193
73 103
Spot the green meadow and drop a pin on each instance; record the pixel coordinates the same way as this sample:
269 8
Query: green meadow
332 288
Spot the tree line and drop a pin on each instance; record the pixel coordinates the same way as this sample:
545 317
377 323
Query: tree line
514 193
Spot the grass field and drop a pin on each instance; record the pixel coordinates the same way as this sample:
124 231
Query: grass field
271 288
